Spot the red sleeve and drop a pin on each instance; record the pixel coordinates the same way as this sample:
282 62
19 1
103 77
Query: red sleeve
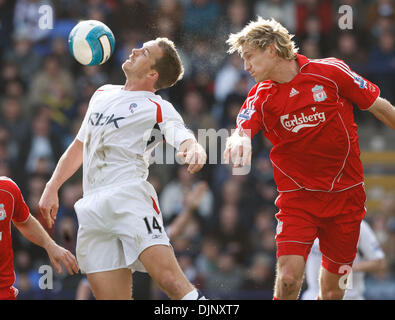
21 210
354 87
250 114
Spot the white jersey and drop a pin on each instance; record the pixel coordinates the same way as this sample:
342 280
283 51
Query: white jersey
368 249
117 133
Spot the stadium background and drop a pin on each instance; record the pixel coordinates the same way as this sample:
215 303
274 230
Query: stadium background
228 248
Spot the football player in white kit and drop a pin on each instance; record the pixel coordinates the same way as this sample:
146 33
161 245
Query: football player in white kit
370 258
120 223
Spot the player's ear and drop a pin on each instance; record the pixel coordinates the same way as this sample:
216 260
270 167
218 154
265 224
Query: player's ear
154 75
272 50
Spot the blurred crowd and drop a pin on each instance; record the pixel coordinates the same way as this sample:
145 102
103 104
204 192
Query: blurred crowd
227 248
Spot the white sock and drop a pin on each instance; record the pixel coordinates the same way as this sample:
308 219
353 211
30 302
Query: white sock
194 295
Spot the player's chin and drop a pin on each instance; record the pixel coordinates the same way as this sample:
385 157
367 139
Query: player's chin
259 78
126 68
126 65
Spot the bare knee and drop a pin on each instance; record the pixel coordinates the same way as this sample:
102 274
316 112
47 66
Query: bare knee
290 270
289 283
333 294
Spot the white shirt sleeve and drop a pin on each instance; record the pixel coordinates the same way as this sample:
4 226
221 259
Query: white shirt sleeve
368 244
172 126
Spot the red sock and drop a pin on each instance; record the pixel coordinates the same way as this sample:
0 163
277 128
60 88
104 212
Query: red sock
275 298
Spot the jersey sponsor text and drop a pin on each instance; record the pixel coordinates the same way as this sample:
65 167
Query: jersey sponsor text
296 123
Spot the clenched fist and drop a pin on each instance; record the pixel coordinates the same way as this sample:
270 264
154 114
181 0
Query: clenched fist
238 149
193 154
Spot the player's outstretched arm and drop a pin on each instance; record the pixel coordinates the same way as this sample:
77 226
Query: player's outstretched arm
68 164
375 265
384 111
193 154
34 232
238 149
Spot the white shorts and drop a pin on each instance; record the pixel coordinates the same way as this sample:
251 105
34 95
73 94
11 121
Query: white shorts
116 224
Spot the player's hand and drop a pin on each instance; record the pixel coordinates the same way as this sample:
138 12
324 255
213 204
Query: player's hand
49 205
194 155
60 256
238 150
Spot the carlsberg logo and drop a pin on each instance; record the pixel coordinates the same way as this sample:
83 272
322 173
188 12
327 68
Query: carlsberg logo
303 121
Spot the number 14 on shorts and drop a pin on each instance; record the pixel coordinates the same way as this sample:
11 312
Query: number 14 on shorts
152 226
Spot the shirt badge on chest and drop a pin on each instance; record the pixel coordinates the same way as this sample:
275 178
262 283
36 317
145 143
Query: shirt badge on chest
319 93
132 107
3 214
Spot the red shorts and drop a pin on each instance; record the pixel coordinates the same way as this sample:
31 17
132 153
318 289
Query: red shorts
9 293
333 217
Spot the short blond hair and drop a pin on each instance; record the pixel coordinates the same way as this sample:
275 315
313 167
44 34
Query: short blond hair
260 34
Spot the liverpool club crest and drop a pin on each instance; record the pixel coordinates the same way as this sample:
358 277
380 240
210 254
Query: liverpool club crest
319 93
3 214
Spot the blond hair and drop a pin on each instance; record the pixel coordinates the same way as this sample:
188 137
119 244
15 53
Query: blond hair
169 66
260 34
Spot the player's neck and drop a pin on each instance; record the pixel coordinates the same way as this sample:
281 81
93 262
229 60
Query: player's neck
131 85
285 71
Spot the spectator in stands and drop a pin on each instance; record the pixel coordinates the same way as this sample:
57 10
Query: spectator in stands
259 276
201 18
172 196
264 222
13 118
230 108
195 114
380 16
169 16
320 10
131 15
348 49
39 143
206 260
231 235
315 20
227 77
21 53
310 49
69 195
237 13
6 25
54 87
382 65
227 279
67 233
59 48
283 11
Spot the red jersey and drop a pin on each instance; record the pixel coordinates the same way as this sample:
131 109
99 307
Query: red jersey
310 123
12 206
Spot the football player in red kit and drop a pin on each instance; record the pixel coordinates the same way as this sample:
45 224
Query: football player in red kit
13 208
305 108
